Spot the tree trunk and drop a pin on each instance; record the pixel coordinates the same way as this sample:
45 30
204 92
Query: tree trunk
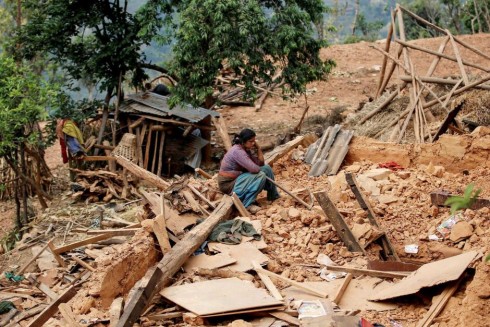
356 17
24 185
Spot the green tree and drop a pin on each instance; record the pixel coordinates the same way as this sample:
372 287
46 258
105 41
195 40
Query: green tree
24 97
102 40
476 16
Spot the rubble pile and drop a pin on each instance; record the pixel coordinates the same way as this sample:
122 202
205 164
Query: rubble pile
294 261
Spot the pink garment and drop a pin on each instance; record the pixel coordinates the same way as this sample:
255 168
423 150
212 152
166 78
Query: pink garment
237 160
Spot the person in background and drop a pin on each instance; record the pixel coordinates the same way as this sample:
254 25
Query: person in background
244 173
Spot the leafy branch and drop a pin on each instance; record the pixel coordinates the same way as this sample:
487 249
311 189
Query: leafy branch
465 201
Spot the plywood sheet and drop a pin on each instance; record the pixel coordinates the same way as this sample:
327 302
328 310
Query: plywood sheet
218 296
244 253
428 275
355 296
208 261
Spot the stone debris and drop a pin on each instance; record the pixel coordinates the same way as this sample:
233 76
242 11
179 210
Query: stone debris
297 242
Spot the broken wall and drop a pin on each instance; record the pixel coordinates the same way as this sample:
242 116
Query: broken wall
454 152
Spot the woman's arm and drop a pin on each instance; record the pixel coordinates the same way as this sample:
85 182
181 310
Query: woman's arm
260 155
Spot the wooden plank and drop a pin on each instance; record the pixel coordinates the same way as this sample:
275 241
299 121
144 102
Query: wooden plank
52 309
196 207
160 230
203 173
439 303
26 314
292 282
201 196
428 275
282 150
23 269
115 310
68 315
78 244
43 288
285 317
142 173
222 130
56 255
160 154
114 232
448 120
239 294
338 222
391 266
438 198
267 282
160 276
388 248
83 263
239 205
98 158
367 272
342 288
165 316
204 261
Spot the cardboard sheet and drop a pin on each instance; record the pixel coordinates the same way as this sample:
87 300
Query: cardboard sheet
219 296
244 253
428 275
208 261
355 296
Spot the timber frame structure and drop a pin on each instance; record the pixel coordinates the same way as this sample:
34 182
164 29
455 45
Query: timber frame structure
420 84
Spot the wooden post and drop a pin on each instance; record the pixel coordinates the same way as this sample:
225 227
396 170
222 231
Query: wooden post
385 60
222 130
239 205
155 152
341 290
51 309
388 248
160 154
142 173
338 222
148 146
160 276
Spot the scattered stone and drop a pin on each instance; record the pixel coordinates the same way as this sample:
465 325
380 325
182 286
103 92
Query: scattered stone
387 198
368 185
359 230
353 168
329 248
192 319
240 323
461 231
378 174
345 253
294 213
403 174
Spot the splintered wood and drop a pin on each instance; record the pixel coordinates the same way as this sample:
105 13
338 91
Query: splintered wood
420 84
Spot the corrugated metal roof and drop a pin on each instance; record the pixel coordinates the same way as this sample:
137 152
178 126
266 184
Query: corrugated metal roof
155 104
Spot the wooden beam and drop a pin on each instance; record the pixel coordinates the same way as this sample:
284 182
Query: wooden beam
52 308
338 222
388 248
201 196
114 232
438 198
160 275
98 158
267 282
142 173
222 130
57 256
115 310
23 269
83 263
239 205
203 173
445 56
292 282
367 272
437 80
78 244
439 302
342 288
160 231
68 315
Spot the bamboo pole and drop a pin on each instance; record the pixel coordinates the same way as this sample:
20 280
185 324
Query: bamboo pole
385 60
442 55
458 58
437 59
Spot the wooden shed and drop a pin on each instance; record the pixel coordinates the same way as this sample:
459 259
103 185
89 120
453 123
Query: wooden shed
167 139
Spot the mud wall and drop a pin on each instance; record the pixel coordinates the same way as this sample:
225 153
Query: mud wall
455 152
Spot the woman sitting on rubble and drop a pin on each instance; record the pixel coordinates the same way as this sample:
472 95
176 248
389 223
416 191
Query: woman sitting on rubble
245 173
